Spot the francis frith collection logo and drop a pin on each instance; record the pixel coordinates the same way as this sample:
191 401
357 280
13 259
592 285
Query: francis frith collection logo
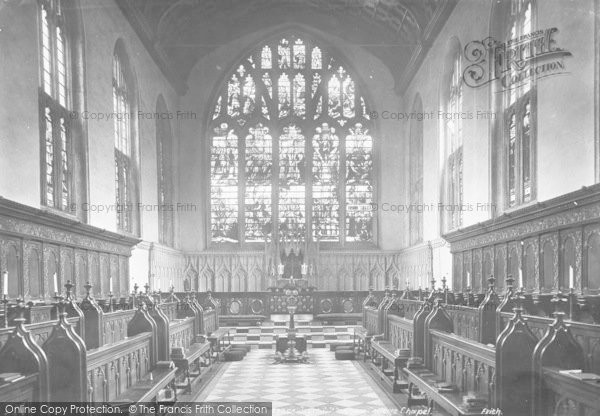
514 62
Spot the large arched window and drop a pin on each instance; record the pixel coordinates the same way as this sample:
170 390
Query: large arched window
164 155
514 150
452 96
416 174
291 145
62 138
124 104
518 117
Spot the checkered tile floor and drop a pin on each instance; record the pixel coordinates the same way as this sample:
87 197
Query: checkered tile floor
323 387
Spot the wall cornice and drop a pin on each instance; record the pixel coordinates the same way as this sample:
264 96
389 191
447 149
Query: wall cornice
573 209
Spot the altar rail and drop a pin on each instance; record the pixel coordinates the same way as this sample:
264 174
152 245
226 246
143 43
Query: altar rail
273 302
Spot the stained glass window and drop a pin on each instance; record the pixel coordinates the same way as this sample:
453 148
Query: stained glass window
259 171
291 149
519 116
454 147
123 150
56 105
325 184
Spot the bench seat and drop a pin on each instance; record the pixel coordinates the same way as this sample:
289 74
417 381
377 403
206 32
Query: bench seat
385 348
216 340
185 359
391 364
147 389
426 381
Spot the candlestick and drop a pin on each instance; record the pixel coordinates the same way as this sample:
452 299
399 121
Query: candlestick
520 277
572 299
5 283
571 280
110 305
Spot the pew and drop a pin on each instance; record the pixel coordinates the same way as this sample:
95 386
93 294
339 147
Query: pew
21 355
454 367
557 350
188 349
514 351
105 350
390 350
478 356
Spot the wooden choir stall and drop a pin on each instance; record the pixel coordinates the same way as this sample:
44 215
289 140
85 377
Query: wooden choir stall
153 347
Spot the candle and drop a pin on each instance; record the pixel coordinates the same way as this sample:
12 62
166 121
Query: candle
55 283
5 283
171 283
571 283
469 282
520 277
110 284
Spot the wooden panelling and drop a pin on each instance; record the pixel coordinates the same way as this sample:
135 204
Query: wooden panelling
545 240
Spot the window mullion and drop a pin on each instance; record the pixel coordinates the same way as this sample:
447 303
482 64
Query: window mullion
519 112
276 132
57 152
342 187
308 142
241 187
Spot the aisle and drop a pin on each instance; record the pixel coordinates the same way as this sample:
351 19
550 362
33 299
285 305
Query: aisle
323 387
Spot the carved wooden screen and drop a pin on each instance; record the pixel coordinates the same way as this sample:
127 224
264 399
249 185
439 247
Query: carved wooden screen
291 146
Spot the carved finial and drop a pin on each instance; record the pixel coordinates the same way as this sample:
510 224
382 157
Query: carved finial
69 286
491 281
510 282
433 283
135 288
147 287
88 288
444 281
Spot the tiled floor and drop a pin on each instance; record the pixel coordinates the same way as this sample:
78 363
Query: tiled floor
322 387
